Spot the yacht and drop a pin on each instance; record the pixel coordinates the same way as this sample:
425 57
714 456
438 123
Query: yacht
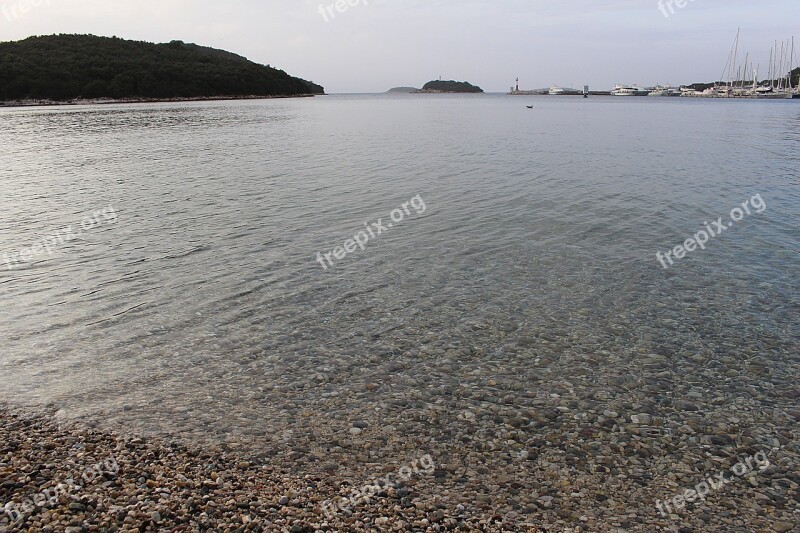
716 92
629 90
555 90
665 90
769 92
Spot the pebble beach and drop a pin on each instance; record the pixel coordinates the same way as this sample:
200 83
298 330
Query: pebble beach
562 465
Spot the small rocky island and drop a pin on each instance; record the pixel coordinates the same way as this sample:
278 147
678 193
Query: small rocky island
403 90
451 86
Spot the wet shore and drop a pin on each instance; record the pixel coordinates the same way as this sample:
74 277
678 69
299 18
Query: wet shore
56 478
77 480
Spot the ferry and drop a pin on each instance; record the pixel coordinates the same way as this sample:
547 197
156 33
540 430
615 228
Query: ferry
629 90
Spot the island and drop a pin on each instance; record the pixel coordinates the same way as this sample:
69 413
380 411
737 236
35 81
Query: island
451 86
63 68
402 90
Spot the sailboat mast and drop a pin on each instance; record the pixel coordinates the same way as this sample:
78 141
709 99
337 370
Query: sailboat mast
726 71
783 65
774 67
791 66
736 52
745 71
769 69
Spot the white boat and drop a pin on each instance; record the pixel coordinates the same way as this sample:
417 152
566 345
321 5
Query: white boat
555 90
716 92
665 90
629 90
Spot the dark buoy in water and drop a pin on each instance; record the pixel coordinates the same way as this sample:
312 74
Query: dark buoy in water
529 106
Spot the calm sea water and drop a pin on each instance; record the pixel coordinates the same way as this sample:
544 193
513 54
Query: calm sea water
200 310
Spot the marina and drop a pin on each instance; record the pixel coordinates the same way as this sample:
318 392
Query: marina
741 80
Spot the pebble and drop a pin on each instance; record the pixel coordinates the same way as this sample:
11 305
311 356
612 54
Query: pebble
684 405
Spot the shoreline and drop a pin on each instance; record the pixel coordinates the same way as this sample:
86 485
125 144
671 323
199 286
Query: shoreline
434 91
79 477
105 101
56 478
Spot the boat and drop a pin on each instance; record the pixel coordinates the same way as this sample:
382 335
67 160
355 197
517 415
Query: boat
665 90
767 92
529 106
719 91
555 90
629 90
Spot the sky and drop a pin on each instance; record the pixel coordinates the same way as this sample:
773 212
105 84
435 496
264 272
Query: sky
373 45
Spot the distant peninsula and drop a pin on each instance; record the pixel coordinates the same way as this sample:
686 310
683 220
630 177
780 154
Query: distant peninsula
402 90
61 68
449 87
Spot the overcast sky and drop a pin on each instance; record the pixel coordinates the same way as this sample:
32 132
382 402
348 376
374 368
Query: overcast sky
378 44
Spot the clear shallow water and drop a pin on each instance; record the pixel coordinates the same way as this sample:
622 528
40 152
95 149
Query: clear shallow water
201 312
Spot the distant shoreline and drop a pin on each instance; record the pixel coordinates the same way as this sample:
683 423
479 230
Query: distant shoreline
102 101
434 91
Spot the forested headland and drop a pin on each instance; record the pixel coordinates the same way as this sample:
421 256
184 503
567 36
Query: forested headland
67 67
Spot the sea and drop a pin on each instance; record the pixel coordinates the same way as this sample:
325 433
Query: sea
448 271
